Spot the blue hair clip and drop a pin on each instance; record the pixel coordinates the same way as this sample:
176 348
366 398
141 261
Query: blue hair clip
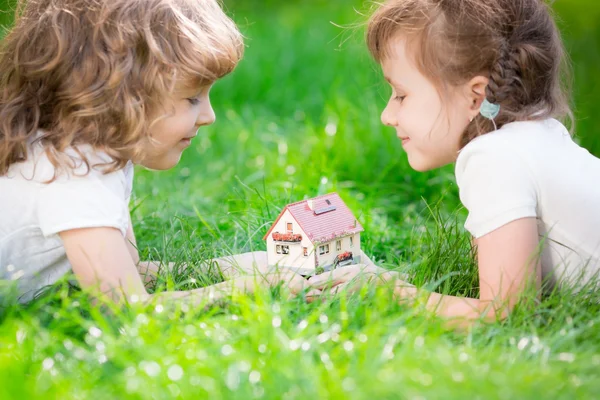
490 111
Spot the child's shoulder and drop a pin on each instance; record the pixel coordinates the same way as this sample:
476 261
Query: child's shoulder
75 161
516 139
524 132
516 150
74 195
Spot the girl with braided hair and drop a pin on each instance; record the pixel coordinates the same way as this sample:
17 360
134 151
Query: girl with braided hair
479 83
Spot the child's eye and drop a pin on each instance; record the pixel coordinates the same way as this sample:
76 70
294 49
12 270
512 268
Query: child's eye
399 98
194 101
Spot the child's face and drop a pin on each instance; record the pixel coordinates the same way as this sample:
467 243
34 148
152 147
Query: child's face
188 109
430 129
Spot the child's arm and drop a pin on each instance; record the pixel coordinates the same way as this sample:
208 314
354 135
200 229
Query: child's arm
100 258
507 262
148 270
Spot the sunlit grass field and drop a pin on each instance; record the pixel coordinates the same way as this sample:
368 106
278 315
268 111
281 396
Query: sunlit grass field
300 117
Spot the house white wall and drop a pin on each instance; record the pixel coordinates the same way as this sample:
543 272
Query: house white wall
327 259
296 258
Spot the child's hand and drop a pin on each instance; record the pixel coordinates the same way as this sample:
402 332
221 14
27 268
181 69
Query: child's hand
238 265
294 282
289 280
351 278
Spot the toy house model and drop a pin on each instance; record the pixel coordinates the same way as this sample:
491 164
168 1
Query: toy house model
315 235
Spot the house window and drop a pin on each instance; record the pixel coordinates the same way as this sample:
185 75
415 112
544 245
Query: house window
278 248
285 249
351 241
305 251
338 245
324 249
289 228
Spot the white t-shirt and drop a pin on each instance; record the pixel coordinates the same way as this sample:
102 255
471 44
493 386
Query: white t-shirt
535 169
32 213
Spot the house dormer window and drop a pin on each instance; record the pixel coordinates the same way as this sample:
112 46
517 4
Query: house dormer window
290 228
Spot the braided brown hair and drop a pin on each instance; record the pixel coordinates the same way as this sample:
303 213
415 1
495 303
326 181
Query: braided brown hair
514 42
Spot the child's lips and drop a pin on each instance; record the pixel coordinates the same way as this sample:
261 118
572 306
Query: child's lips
187 140
404 140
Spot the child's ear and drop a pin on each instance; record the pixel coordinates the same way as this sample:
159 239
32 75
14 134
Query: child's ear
476 93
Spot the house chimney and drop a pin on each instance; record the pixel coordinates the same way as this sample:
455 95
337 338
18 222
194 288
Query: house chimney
310 204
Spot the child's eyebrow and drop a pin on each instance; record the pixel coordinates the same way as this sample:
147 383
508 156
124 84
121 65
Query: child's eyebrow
189 92
391 82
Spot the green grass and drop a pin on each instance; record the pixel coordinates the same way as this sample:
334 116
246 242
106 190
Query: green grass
270 147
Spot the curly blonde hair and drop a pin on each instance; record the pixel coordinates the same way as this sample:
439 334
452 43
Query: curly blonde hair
514 42
95 72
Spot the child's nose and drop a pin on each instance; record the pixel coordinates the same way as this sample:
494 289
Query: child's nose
387 117
206 116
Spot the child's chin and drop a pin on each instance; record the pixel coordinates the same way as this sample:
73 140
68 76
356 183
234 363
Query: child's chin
421 165
417 166
163 163
426 164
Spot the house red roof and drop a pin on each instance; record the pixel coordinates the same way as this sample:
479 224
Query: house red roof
328 219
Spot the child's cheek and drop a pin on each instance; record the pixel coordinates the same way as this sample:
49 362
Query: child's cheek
410 121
